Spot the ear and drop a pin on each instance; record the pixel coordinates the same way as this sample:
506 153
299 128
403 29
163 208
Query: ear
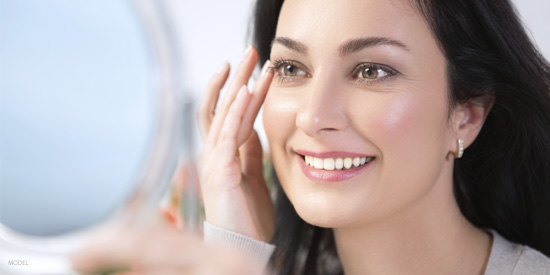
467 120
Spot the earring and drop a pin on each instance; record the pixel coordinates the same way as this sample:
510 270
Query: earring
460 150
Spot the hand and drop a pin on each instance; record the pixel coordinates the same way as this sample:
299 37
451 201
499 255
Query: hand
158 250
230 166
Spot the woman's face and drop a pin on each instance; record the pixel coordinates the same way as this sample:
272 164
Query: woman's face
358 81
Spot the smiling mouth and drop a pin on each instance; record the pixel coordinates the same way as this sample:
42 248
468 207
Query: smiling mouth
330 164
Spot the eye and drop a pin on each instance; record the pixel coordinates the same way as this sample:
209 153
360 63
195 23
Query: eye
286 70
291 70
371 72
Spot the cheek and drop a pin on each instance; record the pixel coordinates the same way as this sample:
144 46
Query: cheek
410 130
401 122
396 117
406 121
279 118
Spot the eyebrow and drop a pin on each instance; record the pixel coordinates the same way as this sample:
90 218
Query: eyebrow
358 44
347 48
291 44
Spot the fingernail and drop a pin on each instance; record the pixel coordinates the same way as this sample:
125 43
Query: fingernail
248 51
265 67
222 68
241 92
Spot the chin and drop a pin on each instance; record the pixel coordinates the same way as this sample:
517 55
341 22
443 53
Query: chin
320 221
323 212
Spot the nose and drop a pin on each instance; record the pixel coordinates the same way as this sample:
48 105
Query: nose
323 109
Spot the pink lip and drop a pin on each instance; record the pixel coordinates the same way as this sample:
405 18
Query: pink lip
332 154
330 176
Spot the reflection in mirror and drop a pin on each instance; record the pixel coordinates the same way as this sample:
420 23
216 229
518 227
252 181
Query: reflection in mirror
76 112
89 124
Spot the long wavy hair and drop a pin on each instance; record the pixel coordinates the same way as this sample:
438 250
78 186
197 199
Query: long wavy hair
503 180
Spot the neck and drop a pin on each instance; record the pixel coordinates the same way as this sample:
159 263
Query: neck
430 237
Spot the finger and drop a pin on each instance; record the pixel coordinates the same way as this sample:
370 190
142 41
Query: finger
242 74
252 155
258 96
169 248
113 253
232 124
241 77
199 260
252 166
205 112
165 271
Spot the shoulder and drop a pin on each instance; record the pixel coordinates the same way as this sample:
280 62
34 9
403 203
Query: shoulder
511 258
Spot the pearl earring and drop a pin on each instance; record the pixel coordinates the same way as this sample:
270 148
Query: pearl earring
460 150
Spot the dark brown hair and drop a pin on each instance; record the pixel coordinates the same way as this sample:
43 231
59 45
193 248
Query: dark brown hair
503 180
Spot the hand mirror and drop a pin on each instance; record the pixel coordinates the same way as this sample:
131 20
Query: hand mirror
91 123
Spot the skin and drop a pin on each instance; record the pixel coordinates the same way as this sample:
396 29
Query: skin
399 215
234 192
156 250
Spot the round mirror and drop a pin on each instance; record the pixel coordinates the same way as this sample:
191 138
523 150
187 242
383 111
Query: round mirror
89 128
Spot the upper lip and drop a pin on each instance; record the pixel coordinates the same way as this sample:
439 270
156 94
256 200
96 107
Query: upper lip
331 154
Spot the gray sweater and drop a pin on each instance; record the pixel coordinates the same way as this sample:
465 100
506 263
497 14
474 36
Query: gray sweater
511 258
506 258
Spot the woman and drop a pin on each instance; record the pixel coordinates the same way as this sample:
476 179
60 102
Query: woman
409 137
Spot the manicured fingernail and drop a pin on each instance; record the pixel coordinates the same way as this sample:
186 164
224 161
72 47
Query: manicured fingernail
265 67
222 68
241 92
248 51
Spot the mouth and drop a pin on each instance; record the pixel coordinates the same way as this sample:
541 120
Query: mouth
332 166
340 163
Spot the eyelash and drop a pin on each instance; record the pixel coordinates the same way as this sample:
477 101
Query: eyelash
390 72
279 64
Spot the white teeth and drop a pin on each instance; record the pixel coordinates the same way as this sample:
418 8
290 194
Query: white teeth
339 164
318 163
347 163
330 164
356 161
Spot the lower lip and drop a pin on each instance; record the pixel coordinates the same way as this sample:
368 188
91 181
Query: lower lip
330 175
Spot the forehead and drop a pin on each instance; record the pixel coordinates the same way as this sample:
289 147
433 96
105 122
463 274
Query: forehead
330 22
